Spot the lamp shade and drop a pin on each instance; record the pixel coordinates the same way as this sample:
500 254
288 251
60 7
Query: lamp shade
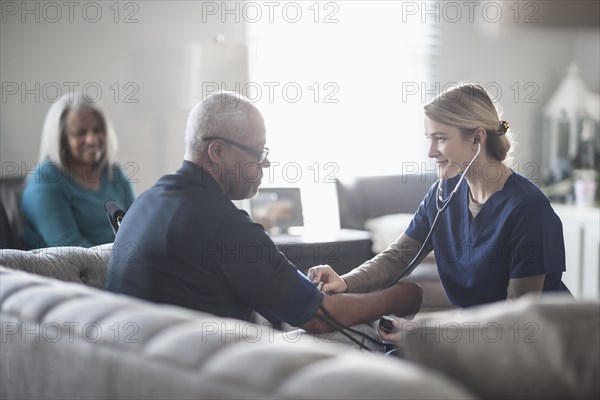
569 99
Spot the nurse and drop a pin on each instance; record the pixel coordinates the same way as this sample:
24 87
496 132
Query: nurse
498 238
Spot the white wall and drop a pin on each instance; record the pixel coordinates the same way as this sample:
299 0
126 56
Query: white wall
532 57
151 55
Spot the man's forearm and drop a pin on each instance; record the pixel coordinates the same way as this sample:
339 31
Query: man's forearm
355 308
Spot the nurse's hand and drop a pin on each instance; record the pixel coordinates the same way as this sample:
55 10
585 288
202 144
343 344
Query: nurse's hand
396 335
332 282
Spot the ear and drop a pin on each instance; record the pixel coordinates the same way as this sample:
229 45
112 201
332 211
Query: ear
480 136
215 151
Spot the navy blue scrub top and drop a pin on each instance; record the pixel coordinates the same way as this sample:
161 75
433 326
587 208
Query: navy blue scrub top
515 235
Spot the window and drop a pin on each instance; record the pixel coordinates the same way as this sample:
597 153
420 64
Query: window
342 93
342 89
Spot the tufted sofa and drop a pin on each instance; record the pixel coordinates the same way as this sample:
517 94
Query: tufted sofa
68 340
70 264
72 340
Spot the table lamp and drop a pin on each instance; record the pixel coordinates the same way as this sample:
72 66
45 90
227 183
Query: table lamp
571 147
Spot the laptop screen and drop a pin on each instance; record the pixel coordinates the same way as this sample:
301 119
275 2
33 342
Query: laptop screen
277 209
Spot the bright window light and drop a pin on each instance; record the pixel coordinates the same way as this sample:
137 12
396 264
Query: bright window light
342 89
342 93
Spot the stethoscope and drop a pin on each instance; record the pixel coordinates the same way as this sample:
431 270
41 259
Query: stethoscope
445 202
439 197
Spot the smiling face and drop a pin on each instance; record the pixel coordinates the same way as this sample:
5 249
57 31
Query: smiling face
449 148
85 137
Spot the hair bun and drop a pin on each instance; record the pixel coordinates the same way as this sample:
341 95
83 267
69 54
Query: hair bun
503 127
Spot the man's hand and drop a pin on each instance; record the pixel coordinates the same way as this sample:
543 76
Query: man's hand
332 282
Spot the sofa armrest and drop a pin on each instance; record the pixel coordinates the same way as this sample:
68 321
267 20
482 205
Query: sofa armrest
68 263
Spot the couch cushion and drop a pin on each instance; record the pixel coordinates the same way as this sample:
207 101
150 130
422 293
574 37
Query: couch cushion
72 264
119 347
530 348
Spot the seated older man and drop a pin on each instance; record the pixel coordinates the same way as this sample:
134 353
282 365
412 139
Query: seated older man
189 245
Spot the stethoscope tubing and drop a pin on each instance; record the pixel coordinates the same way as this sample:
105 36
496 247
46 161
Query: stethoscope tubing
415 261
462 177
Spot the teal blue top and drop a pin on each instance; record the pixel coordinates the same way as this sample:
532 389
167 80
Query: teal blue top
59 212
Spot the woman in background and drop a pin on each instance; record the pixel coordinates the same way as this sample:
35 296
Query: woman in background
63 200
499 237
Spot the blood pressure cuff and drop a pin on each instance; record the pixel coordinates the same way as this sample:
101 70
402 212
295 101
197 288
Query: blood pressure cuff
299 306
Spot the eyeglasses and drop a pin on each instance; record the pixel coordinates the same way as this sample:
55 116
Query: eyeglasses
260 154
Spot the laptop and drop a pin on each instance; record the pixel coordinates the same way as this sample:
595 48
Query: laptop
279 210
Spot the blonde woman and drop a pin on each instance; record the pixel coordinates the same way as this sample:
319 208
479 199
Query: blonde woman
498 237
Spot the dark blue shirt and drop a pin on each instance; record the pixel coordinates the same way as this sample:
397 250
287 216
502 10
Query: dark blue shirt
184 242
516 234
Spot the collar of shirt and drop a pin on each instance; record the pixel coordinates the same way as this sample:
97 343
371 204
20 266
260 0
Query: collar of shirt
198 175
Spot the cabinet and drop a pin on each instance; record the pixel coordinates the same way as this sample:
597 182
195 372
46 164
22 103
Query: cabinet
581 230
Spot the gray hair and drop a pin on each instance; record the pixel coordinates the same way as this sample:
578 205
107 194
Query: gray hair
53 132
224 114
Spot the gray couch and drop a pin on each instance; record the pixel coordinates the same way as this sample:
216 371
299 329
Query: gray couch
364 198
68 340
71 340
12 221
